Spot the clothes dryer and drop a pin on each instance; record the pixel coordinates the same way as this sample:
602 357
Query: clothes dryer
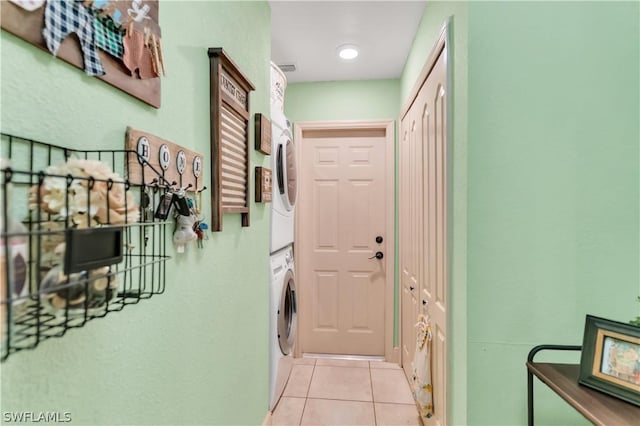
282 322
285 182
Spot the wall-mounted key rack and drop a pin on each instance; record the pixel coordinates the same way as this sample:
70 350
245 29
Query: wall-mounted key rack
177 165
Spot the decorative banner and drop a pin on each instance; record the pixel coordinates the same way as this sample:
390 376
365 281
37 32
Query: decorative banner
116 41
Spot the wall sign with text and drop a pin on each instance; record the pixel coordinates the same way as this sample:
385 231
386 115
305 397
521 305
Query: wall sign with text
229 102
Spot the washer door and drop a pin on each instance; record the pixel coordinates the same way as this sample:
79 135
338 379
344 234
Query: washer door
286 171
287 314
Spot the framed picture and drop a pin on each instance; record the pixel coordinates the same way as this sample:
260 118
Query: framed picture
610 361
263 134
263 185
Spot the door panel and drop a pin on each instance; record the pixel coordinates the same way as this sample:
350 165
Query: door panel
423 227
344 173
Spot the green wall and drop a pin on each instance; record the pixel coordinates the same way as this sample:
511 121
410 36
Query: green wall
435 15
545 189
553 175
197 354
342 100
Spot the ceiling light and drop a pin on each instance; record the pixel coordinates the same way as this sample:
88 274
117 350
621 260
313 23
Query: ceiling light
348 51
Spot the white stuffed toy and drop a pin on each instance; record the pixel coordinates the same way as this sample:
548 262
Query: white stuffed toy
184 232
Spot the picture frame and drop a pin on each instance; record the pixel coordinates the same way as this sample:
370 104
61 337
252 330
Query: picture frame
262 134
610 361
263 185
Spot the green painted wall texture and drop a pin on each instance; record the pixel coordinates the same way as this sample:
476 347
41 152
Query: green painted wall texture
553 184
342 100
197 354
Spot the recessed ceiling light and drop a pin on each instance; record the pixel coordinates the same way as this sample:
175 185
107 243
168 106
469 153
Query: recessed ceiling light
348 51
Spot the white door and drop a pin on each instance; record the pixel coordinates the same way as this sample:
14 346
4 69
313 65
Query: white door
423 227
434 290
344 216
411 250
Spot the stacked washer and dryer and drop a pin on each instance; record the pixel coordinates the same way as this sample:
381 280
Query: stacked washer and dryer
283 301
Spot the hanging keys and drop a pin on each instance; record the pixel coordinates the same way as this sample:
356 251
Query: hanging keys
199 227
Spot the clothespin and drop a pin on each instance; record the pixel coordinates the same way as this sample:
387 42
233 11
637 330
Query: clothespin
146 36
161 56
107 10
156 59
129 26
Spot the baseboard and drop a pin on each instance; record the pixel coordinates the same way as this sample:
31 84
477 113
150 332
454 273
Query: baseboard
394 356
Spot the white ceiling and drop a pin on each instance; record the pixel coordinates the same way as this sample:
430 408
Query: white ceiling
306 33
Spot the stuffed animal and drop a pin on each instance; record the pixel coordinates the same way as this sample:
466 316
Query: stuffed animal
184 231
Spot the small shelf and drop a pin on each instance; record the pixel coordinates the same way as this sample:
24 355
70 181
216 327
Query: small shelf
597 407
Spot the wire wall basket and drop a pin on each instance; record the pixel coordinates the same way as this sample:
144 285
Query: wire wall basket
78 239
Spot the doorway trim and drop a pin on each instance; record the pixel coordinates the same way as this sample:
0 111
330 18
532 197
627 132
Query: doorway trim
388 126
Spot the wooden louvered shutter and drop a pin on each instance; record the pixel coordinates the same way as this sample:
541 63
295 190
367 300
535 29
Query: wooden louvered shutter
229 139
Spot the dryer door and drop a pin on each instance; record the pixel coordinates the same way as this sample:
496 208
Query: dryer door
286 171
287 314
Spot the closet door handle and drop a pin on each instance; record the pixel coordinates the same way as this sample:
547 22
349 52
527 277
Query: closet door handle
378 255
411 288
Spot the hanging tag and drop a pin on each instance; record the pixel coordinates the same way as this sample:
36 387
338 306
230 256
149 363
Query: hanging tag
181 204
162 212
145 205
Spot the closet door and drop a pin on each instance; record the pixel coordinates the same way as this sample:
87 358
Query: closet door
409 244
423 228
433 293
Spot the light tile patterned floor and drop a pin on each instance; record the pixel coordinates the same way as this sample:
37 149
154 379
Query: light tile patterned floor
337 392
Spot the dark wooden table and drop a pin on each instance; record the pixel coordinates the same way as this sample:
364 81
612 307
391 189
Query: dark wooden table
597 407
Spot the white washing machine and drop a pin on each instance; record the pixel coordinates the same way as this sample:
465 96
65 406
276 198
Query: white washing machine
282 322
285 181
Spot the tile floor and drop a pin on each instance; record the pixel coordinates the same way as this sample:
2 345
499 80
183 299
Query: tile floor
343 392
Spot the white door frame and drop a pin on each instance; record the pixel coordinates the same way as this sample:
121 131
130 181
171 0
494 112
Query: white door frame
391 353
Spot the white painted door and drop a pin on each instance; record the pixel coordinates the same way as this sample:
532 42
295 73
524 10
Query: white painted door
344 200
423 227
410 227
434 290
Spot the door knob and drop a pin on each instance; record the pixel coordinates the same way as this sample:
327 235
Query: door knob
411 288
379 239
378 255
